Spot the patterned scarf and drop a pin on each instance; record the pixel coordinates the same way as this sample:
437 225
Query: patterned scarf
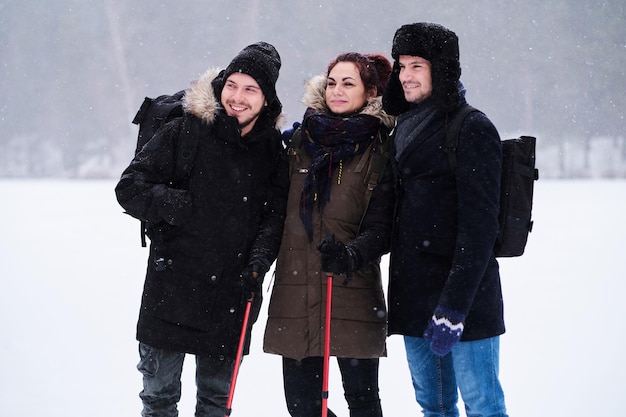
329 140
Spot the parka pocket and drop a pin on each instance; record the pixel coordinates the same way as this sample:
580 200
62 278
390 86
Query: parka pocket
185 299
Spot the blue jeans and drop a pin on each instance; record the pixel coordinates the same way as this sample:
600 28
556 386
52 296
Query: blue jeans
162 370
471 367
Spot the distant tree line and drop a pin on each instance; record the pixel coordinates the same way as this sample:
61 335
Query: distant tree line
74 73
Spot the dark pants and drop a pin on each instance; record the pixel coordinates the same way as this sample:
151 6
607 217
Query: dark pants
303 386
162 370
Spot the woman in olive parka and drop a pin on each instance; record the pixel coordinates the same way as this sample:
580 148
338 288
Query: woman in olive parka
341 194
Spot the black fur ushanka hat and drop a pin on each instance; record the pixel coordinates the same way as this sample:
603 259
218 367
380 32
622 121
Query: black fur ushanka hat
438 45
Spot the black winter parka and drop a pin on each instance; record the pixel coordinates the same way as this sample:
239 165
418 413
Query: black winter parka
445 229
206 231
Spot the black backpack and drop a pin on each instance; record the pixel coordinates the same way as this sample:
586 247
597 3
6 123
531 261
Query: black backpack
151 116
516 188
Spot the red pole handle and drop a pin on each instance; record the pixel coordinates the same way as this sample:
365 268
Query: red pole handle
329 293
233 379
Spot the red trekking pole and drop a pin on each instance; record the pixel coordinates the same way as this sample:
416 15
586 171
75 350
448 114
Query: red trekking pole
242 339
329 293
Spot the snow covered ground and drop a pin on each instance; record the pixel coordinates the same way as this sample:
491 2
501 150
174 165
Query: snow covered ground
71 272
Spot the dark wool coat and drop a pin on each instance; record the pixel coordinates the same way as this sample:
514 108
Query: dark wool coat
296 323
445 229
208 231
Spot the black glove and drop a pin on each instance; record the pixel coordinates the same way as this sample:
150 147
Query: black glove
337 257
252 279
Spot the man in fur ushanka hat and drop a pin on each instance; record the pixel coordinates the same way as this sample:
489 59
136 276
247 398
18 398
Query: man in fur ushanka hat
214 234
439 46
444 294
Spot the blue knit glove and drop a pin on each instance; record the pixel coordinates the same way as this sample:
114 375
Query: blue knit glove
444 330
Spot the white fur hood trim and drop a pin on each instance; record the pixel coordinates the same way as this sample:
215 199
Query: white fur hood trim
199 98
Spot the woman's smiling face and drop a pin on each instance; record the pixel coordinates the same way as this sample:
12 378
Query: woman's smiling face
345 91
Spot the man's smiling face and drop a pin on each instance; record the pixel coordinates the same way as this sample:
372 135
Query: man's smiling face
415 77
243 99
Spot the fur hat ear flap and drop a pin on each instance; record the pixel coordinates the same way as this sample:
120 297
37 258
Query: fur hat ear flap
393 96
445 78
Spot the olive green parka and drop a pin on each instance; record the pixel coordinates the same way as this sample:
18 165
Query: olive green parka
360 217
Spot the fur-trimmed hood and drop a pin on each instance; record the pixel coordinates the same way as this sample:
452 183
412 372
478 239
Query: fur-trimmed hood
200 97
201 101
315 98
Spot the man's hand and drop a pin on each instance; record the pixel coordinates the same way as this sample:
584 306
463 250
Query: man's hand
250 283
444 330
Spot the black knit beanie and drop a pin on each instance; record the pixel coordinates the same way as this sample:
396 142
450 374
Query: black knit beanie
262 62
438 45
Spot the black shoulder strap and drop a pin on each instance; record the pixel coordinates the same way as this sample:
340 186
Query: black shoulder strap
378 162
296 139
292 148
185 153
453 129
